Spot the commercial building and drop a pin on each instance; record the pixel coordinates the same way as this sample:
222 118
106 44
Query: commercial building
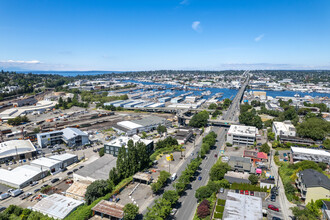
66 159
39 107
44 163
57 206
242 135
183 135
113 146
146 124
164 99
22 102
255 155
313 185
298 140
96 170
285 128
21 176
71 136
240 206
300 153
177 100
241 164
16 150
78 190
109 210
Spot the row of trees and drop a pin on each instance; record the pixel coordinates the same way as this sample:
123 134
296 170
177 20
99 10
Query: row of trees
70 102
249 117
199 120
130 160
167 142
162 180
208 142
18 120
16 212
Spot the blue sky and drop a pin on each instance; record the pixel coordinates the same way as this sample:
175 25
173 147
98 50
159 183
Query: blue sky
164 34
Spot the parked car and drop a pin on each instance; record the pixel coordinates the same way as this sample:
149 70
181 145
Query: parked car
45 185
215 155
273 198
34 183
54 180
199 178
241 192
69 173
75 170
222 190
276 218
2 208
36 190
236 191
274 208
246 192
4 196
251 193
16 192
81 167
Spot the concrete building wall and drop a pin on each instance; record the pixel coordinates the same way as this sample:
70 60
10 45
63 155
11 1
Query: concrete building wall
316 193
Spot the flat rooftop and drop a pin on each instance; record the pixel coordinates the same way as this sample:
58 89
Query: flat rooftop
243 130
44 161
109 208
128 125
98 169
63 157
303 150
240 206
14 147
19 175
123 140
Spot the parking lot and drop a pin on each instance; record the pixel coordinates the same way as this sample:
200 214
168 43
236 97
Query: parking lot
265 197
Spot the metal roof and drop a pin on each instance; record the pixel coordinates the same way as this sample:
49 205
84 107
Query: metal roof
109 208
63 157
56 206
69 133
13 147
150 120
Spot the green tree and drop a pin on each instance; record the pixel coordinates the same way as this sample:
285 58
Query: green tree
218 170
265 148
130 211
226 103
213 106
101 152
171 195
161 129
250 119
96 190
199 120
326 143
253 179
314 128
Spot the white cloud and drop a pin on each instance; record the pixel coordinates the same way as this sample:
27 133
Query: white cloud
196 26
184 2
257 39
20 62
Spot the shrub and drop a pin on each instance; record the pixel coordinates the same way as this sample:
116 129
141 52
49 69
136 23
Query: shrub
218 215
219 208
203 211
221 202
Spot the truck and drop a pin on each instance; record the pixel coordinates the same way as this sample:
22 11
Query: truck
4 196
173 177
16 192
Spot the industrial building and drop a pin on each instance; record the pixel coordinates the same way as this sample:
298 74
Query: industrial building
113 146
240 206
57 206
71 136
39 107
23 102
242 135
146 124
300 154
21 176
78 190
313 185
164 99
97 170
285 128
177 100
66 159
183 135
16 150
48 164
108 210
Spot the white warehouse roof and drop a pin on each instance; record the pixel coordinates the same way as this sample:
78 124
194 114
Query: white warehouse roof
249 131
310 151
45 162
63 157
128 125
56 206
8 148
19 175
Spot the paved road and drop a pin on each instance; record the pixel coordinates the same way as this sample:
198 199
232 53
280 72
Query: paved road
188 201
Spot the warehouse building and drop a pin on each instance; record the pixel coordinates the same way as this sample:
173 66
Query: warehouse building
23 102
22 176
66 159
73 137
48 164
108 210
300 154
57 206
242 135
115 145
16 150
97 170
240 206
78 190
285 128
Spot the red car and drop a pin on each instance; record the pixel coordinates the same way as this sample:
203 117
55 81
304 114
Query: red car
251 193
274 208
246 192
241 192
